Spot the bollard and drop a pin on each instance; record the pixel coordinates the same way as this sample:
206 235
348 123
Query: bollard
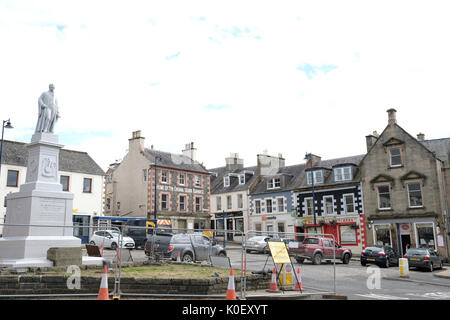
403 267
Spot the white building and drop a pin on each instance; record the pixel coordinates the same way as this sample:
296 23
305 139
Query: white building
78 174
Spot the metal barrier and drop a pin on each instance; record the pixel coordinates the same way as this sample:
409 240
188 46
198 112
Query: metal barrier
213 242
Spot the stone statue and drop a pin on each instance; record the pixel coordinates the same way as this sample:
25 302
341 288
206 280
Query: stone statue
47 110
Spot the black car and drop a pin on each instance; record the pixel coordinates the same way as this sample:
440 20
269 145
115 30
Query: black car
423 258
383 256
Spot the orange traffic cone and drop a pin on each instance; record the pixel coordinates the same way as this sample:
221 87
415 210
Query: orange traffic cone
273 284
298 285
178 257
231 292
103 294
101 248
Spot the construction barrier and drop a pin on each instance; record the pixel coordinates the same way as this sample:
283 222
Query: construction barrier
403 267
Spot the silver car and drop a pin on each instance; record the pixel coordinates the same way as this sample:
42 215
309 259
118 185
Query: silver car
258 244
193 247
111 239
423 258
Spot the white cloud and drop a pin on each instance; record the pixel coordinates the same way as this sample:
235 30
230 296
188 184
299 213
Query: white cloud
108 60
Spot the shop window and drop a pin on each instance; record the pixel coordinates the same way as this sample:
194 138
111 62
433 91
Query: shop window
348 235
425 235
383 236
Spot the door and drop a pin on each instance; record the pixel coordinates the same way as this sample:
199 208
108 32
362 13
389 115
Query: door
329 229
200 248
406 243
230 228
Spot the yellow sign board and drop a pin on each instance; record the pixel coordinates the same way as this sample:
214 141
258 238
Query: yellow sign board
279 252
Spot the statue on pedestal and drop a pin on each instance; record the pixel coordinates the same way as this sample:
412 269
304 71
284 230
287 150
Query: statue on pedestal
47 110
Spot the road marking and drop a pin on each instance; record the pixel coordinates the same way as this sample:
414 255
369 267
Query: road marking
381 296
432 295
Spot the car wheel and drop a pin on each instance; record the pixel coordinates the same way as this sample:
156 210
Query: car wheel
317 259
188 258
300 260
431 267
222 254
440 265
346 258
363 264
248 251
114 246
387 264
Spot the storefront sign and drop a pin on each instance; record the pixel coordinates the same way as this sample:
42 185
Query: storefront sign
405 229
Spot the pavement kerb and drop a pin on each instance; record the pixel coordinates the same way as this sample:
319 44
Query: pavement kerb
417 281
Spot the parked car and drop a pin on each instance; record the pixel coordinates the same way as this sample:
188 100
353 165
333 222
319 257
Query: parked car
110 239
383 256
317 249
423 258
194 247
258 244
159 242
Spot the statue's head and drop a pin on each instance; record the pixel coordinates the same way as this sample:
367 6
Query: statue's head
51 87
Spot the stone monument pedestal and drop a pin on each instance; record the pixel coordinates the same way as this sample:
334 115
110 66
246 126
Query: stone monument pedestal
40 201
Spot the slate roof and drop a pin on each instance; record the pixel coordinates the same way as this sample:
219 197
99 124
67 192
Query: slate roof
217 180
171 160
15 153
441 147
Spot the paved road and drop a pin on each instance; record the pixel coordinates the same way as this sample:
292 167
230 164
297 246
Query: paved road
353 280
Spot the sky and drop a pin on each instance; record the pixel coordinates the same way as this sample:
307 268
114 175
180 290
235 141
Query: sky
246 77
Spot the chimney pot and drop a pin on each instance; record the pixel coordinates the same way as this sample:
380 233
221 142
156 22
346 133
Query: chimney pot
421 137
392 116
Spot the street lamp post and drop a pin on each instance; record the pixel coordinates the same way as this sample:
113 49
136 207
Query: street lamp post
308 156
6 124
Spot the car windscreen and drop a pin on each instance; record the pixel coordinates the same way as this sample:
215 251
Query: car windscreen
311 241
180 238
417 251
374 249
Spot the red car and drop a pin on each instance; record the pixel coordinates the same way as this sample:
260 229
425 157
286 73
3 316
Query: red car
317 249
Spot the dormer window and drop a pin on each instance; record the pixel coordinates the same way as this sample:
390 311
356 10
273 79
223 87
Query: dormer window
226 181
242 179
395 157
274 183
318 177
343 174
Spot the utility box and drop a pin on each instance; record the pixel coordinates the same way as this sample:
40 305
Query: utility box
403 267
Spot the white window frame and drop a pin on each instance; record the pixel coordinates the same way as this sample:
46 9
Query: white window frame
183 208
166 202
342 173
240 200
198 206
378 197
278 204
306 206
272 183
230 202
345 203
316 180
164 176
267 206
325 213
182 181
226 181
257 206
409 198
390 157
197 181
218 203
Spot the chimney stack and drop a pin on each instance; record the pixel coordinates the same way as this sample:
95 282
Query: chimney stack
392 117
190 152
312 160
269 164
421 137
136 143
371 139
233 162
